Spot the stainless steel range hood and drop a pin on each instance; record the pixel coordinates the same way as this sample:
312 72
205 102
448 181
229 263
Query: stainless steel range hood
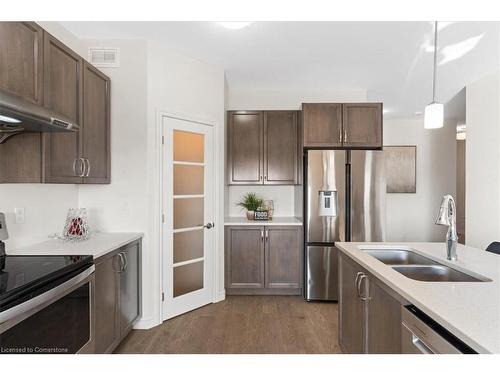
18 115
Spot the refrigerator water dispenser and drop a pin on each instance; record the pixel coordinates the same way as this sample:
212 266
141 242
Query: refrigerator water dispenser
327 203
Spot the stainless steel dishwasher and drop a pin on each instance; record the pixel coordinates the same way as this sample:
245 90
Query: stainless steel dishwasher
420 334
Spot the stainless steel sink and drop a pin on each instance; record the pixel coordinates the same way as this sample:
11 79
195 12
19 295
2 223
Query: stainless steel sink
435 273
399 257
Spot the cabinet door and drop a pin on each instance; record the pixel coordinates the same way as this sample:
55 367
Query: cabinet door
283 257
63 94
280 147
244 257
20 159
322 124
106 304
130 308
21 60
384 321
362 125
351 308
245 155
96 122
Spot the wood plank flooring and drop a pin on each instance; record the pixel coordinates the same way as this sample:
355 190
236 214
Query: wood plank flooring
244 325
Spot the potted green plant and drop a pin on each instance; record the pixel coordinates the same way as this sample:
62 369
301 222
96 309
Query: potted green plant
251 202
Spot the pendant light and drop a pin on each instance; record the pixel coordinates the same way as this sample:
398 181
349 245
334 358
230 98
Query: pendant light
434 112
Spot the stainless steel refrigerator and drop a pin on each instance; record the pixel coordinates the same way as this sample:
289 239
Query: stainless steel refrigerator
344 200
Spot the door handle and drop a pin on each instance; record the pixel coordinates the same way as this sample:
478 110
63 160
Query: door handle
209 225
340 135
262 235
345 135
361 279
267 235
125 261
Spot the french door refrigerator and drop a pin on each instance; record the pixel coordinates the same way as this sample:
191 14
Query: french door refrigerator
344 200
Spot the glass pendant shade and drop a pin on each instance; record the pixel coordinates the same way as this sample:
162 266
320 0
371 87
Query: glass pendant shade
434 115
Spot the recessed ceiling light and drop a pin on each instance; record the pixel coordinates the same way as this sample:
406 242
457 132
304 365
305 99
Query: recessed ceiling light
233 25
417 113
10 120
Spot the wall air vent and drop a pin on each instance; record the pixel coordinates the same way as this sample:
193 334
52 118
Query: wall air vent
104 57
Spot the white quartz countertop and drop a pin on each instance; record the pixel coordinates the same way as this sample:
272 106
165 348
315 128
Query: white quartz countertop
469 310
276 220
97 245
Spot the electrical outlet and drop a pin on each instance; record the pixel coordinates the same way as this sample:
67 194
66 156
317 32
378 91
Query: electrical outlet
19 215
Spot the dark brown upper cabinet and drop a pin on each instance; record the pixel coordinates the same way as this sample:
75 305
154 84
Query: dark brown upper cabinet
95 133
337 125
263 148
21 60
36 66
63 93
280 147
245 156
322 124
362 125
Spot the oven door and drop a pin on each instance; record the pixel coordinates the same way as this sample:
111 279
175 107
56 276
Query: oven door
59 321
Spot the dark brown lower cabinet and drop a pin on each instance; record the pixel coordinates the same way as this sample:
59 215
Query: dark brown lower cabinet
263 260
118 295
369 312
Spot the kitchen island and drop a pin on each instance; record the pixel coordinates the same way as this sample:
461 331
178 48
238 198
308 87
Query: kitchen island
468 310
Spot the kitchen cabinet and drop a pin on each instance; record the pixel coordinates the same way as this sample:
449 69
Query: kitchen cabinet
118 295
263 148
263 259
280 148
41 69
362 125
322 124
21 60
369 312
244 257
63 93
95 132
282 257
342 125
351 307
130 288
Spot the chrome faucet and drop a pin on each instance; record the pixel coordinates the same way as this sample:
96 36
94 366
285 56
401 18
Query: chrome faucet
447 216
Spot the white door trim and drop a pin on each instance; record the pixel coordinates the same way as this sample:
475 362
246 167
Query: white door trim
218 255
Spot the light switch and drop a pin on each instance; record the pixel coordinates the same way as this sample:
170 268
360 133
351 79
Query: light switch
19 215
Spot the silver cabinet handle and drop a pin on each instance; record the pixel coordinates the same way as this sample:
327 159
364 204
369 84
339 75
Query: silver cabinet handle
361 279
345 135
356 283
88 167
267 235
262 235
82 167
125 261
122 262
340 135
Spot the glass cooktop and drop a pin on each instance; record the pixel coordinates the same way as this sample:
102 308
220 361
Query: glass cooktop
20 274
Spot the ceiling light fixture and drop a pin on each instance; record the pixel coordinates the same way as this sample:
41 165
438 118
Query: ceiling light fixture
234 25
10 120
434 112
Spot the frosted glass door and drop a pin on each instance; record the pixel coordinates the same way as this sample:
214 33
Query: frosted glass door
188 245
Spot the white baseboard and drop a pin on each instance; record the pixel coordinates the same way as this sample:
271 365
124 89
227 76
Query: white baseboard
146 323
221 296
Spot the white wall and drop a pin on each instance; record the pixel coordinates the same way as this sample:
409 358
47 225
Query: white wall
482 222
411 217
181 85
284 197
46 206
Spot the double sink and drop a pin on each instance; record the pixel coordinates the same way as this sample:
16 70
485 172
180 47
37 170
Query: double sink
419 267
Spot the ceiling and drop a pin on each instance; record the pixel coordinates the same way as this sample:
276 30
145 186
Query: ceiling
391 60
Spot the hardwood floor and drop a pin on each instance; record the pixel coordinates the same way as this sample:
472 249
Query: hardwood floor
244 325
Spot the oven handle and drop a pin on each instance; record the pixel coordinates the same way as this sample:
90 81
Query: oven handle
50 295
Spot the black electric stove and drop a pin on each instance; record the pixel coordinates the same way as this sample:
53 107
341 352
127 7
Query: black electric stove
22 277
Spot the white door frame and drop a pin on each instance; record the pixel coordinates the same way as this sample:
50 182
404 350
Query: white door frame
217 254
